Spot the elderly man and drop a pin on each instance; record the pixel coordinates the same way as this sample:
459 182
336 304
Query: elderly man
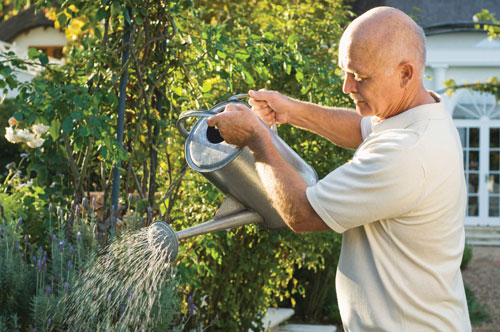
400 201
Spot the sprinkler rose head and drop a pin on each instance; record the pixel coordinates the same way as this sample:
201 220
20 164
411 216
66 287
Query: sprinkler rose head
163 237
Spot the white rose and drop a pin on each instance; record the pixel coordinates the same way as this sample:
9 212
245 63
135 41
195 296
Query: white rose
35 142
40 129
9 135
25 135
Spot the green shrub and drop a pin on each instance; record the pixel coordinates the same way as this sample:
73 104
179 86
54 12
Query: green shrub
477 311
467 256
17 278
183 56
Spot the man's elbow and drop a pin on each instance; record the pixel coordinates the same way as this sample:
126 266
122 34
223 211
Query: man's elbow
310 223
298 227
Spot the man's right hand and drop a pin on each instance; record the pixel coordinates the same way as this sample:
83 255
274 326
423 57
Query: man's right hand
270 106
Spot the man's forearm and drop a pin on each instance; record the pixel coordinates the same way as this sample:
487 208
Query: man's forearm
342 126
286 188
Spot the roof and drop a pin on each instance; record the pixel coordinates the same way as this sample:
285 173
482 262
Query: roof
449 27
24 21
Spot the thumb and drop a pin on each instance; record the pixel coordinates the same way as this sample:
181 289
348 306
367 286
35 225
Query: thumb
262 94
212 121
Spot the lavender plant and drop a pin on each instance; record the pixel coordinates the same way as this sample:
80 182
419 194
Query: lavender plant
77 286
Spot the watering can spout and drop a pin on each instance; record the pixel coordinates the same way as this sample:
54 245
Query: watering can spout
164 237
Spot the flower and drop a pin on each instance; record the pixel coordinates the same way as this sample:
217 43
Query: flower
24 135
40 129
35 142
23 155
12 121
18 135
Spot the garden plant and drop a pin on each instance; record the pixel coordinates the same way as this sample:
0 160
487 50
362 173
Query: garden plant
131 67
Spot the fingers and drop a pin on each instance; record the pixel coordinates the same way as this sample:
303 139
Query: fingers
213 120
259 103
262 94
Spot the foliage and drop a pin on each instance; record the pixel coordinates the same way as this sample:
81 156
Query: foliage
467 256
182 56
484 16
39 285
477 312
16 278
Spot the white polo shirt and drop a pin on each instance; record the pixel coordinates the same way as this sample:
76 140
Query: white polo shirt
400 204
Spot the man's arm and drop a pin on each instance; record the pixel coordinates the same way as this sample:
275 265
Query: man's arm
341 126
287 190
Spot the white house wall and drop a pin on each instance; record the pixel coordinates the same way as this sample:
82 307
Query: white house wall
466 57
41 36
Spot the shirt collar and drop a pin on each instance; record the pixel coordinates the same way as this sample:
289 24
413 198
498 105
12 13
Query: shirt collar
422 112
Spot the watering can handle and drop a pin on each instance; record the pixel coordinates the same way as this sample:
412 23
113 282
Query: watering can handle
190 114
244 96
205 113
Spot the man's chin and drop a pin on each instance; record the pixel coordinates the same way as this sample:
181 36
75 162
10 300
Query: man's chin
363 109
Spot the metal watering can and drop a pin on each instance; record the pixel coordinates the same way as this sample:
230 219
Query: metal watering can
232 170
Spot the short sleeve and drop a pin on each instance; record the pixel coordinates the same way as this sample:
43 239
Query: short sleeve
385 179
366 126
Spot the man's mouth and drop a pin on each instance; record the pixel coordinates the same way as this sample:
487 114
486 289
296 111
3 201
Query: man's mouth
356 100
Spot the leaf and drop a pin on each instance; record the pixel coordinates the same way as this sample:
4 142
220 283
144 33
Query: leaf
299 76
33 53
44 59
268 35
247 77
294 37
177 90
101 14
126 14
221 55
55 129
62 19
67 125
207 86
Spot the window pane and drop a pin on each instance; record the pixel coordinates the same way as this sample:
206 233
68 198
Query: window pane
494 207
473 160
494 138
493 183
474 137
473 185
473 207
494 160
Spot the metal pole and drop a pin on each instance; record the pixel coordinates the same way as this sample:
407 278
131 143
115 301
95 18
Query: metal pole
115 192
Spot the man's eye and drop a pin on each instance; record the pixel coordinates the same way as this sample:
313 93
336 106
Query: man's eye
358 79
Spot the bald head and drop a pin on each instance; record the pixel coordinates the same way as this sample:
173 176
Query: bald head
387 36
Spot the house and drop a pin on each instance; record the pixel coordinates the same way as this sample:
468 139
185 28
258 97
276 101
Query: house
457 50
31 29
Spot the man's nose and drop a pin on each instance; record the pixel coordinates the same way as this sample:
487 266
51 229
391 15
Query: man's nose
350 84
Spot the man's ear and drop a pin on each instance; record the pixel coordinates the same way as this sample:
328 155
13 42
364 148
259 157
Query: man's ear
406 73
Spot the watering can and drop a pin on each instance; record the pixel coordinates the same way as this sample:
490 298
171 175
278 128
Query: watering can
232 170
